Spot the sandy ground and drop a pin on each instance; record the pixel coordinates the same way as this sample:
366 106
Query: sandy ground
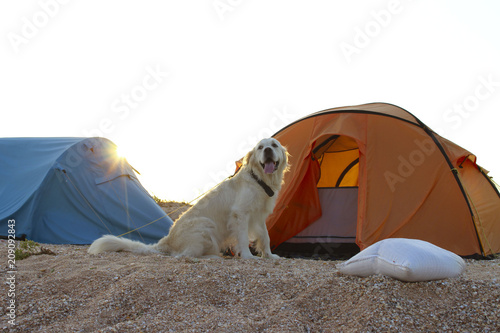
123 292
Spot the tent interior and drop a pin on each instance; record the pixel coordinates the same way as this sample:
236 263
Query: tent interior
334 233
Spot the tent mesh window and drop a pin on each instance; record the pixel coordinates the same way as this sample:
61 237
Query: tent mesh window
338 157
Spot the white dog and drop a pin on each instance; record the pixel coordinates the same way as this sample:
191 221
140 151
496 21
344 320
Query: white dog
231 215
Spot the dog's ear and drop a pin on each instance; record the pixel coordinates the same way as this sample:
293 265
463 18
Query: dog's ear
286 154
286 157
246 159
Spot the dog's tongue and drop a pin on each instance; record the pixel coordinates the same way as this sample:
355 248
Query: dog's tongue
269 167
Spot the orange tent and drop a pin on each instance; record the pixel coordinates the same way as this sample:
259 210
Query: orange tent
369 172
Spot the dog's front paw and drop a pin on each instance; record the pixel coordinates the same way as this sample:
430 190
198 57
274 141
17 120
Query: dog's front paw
272 256
249 256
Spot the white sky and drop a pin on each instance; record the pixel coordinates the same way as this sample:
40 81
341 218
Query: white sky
228 72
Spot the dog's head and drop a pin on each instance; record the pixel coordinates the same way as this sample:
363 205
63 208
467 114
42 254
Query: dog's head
269 158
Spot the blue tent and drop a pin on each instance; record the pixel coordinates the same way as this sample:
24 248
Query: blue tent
72 191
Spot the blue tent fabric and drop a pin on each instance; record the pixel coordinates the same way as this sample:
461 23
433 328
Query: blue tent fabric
72 191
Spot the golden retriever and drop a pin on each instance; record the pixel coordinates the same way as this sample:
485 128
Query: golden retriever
229 216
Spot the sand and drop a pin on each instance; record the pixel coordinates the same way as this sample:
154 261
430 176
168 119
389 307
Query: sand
73 291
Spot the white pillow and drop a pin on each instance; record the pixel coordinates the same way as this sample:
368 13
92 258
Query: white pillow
406 260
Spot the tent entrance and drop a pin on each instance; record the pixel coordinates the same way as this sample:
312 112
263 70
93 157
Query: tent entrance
339 207
338 157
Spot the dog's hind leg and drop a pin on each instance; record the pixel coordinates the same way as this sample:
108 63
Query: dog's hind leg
194 237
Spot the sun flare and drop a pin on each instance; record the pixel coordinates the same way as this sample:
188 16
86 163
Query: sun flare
120 152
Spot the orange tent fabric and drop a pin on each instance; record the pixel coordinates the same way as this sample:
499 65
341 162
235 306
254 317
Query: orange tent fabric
411 182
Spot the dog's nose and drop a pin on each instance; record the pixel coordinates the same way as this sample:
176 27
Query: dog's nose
268 153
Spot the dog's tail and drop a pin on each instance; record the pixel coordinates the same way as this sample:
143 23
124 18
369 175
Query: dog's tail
109 243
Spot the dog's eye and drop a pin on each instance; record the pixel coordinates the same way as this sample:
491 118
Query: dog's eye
275 145
260 147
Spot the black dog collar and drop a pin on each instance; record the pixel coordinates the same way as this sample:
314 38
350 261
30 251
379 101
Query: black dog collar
262 184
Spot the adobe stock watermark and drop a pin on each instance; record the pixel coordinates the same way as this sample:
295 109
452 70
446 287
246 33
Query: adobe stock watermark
33 24
455 115
122 106
224 7
409 163
281 117
364 35
10 277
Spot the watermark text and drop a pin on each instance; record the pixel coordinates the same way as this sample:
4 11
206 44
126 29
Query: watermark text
31 26
11 272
